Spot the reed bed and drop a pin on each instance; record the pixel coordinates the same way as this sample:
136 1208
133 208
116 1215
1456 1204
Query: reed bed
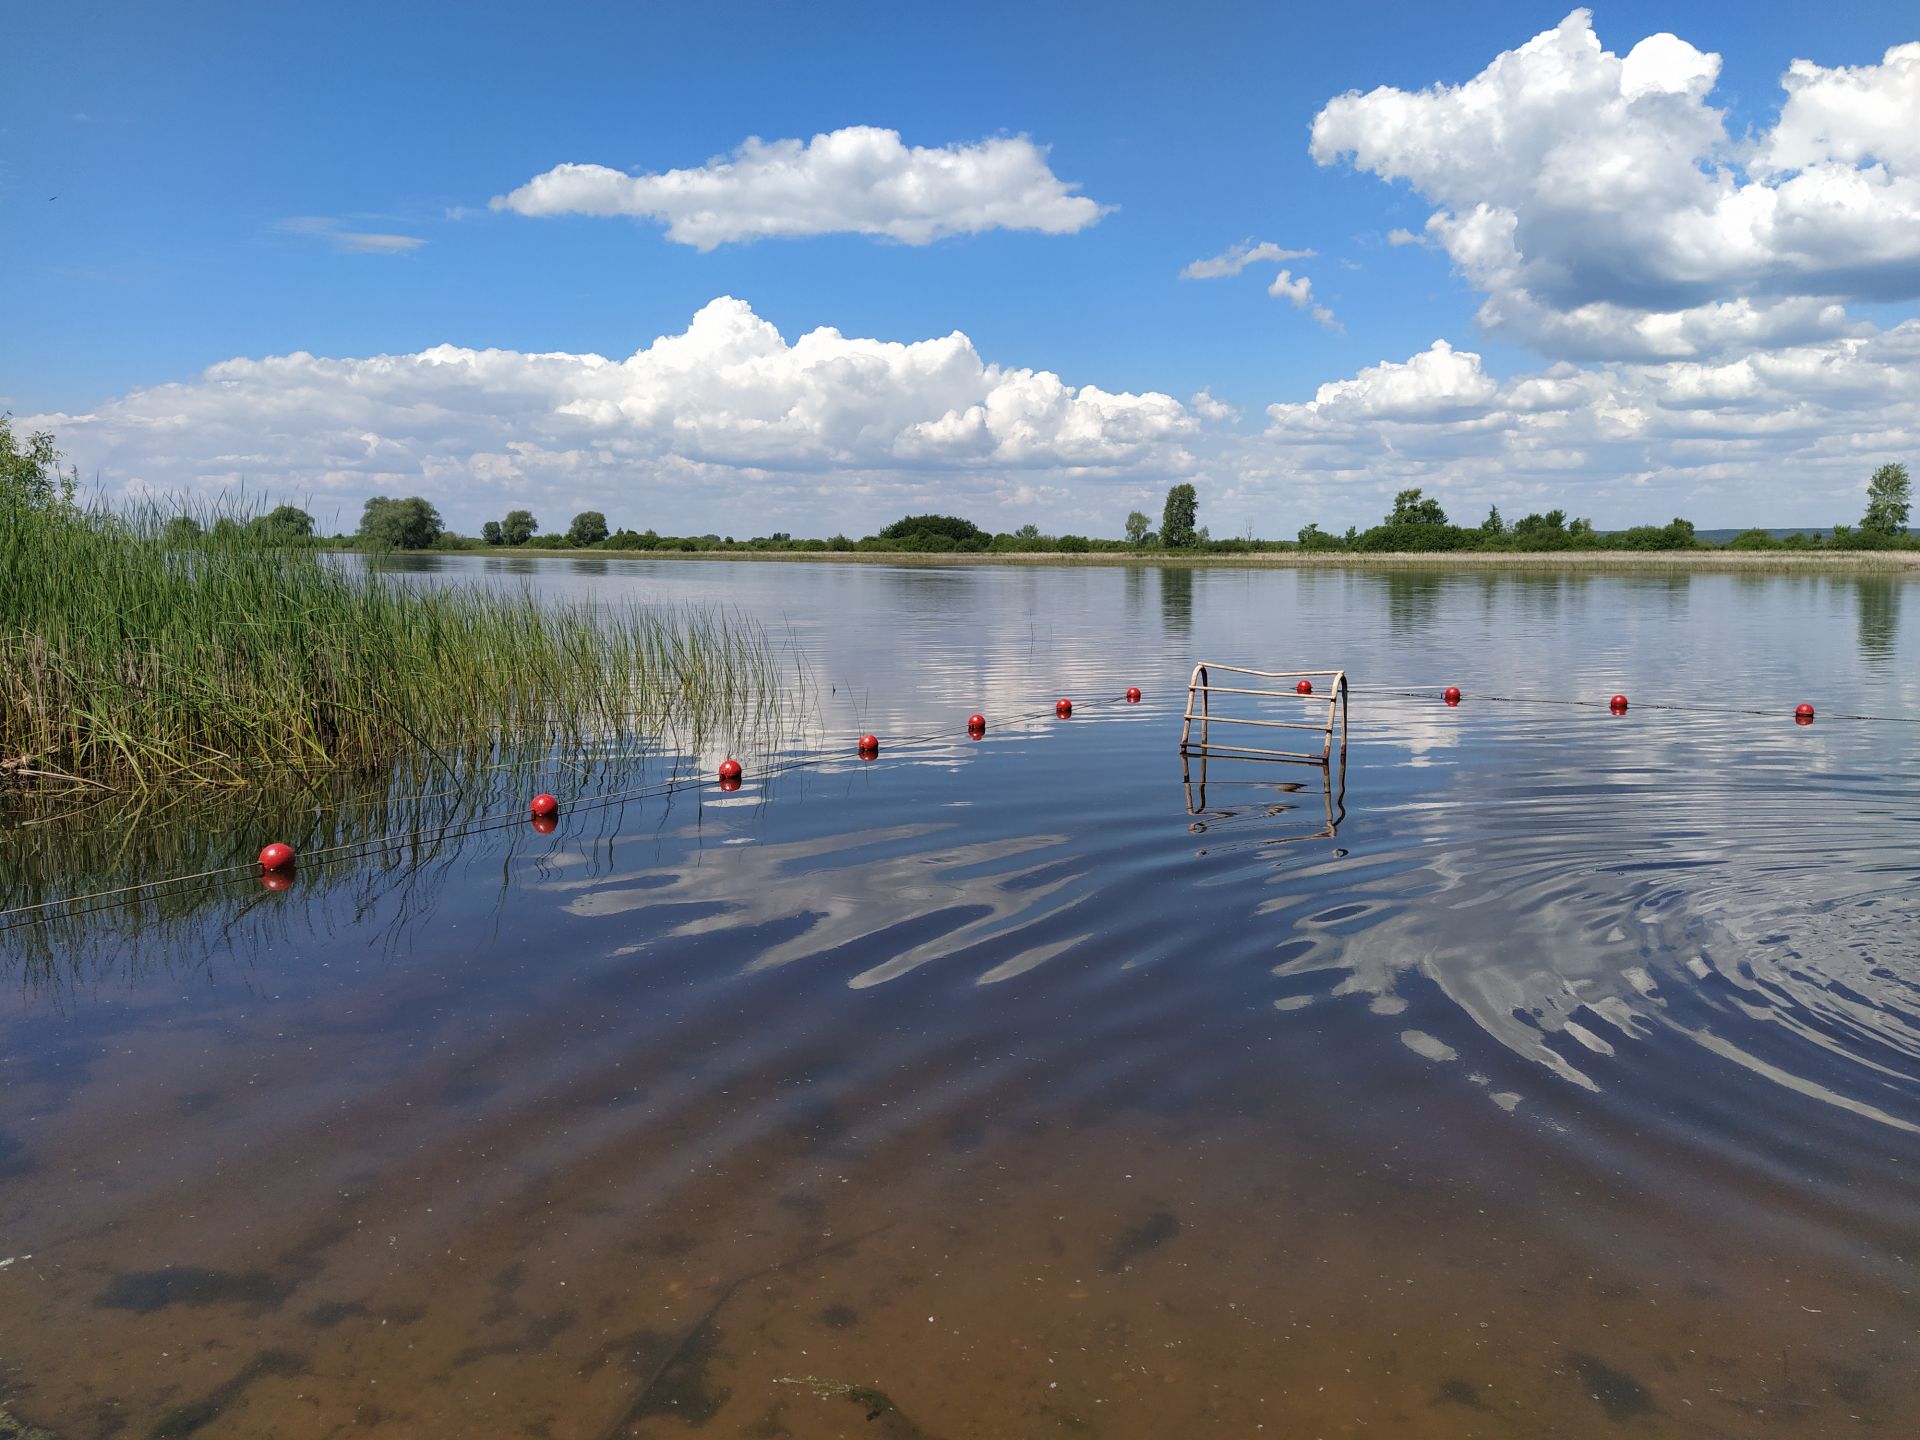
136 655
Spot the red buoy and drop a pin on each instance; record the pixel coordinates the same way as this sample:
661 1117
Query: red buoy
869 745
545 824
544 807
1305 687
276 880
1803 713
729 770
976 723
276 857
1453 694
1063 707
1618 704
1133 695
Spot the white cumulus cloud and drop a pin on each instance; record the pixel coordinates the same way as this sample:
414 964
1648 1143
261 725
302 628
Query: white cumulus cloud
1439 382
1601 205
727 415
860 180
1850 115
1208 407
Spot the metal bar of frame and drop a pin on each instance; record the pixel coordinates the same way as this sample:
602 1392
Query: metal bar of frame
1272 724
1272 674
1275 694
1201 684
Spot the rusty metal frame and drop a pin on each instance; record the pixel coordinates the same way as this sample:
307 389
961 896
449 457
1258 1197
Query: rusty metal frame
1200 687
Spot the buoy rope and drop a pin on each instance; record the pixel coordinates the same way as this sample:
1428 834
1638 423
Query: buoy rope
1687 707
478 825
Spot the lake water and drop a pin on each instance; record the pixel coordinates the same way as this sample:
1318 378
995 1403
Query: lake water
1038 1084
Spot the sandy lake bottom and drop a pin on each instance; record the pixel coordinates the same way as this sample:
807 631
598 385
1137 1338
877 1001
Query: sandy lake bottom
1038 1084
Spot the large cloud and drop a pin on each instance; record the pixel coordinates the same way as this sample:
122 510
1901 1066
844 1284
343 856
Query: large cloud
1600 203
861 180
1782 436
725 414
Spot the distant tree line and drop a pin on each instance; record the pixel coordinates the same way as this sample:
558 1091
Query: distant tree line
1416 523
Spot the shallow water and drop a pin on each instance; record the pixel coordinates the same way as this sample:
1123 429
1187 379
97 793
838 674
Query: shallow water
1022 1086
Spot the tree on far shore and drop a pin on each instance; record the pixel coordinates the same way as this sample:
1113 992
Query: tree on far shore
1137 527
589 528
284 524
518 527
390 524
1889 499
1411 508
1177 519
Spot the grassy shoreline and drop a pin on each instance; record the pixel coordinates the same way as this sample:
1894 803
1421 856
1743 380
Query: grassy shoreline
1882 562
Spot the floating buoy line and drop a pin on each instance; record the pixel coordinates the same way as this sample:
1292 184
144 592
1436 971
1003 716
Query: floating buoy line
1453 695
276 862
278 875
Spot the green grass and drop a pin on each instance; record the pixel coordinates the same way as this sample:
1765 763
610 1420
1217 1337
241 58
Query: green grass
135 658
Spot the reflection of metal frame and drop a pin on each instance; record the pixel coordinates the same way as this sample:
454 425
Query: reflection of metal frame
1201 687
1193 774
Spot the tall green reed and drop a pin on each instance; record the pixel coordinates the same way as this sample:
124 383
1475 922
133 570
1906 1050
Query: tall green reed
141 654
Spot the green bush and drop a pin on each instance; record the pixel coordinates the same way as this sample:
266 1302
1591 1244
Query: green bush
1415 539
932 532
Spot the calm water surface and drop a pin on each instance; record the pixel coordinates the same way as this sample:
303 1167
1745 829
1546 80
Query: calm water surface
1036 1086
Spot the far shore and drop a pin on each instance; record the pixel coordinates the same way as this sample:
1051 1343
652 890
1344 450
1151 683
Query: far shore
1887 562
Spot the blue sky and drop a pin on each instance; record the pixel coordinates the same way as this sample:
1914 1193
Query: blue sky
212 165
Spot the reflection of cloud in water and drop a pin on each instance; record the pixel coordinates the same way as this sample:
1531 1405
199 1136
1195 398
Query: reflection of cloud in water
1572 932
985 895
1423 730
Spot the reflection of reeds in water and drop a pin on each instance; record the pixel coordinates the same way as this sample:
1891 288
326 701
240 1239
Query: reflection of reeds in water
136 658
105 885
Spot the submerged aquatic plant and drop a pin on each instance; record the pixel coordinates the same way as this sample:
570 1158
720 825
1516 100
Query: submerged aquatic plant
140 653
